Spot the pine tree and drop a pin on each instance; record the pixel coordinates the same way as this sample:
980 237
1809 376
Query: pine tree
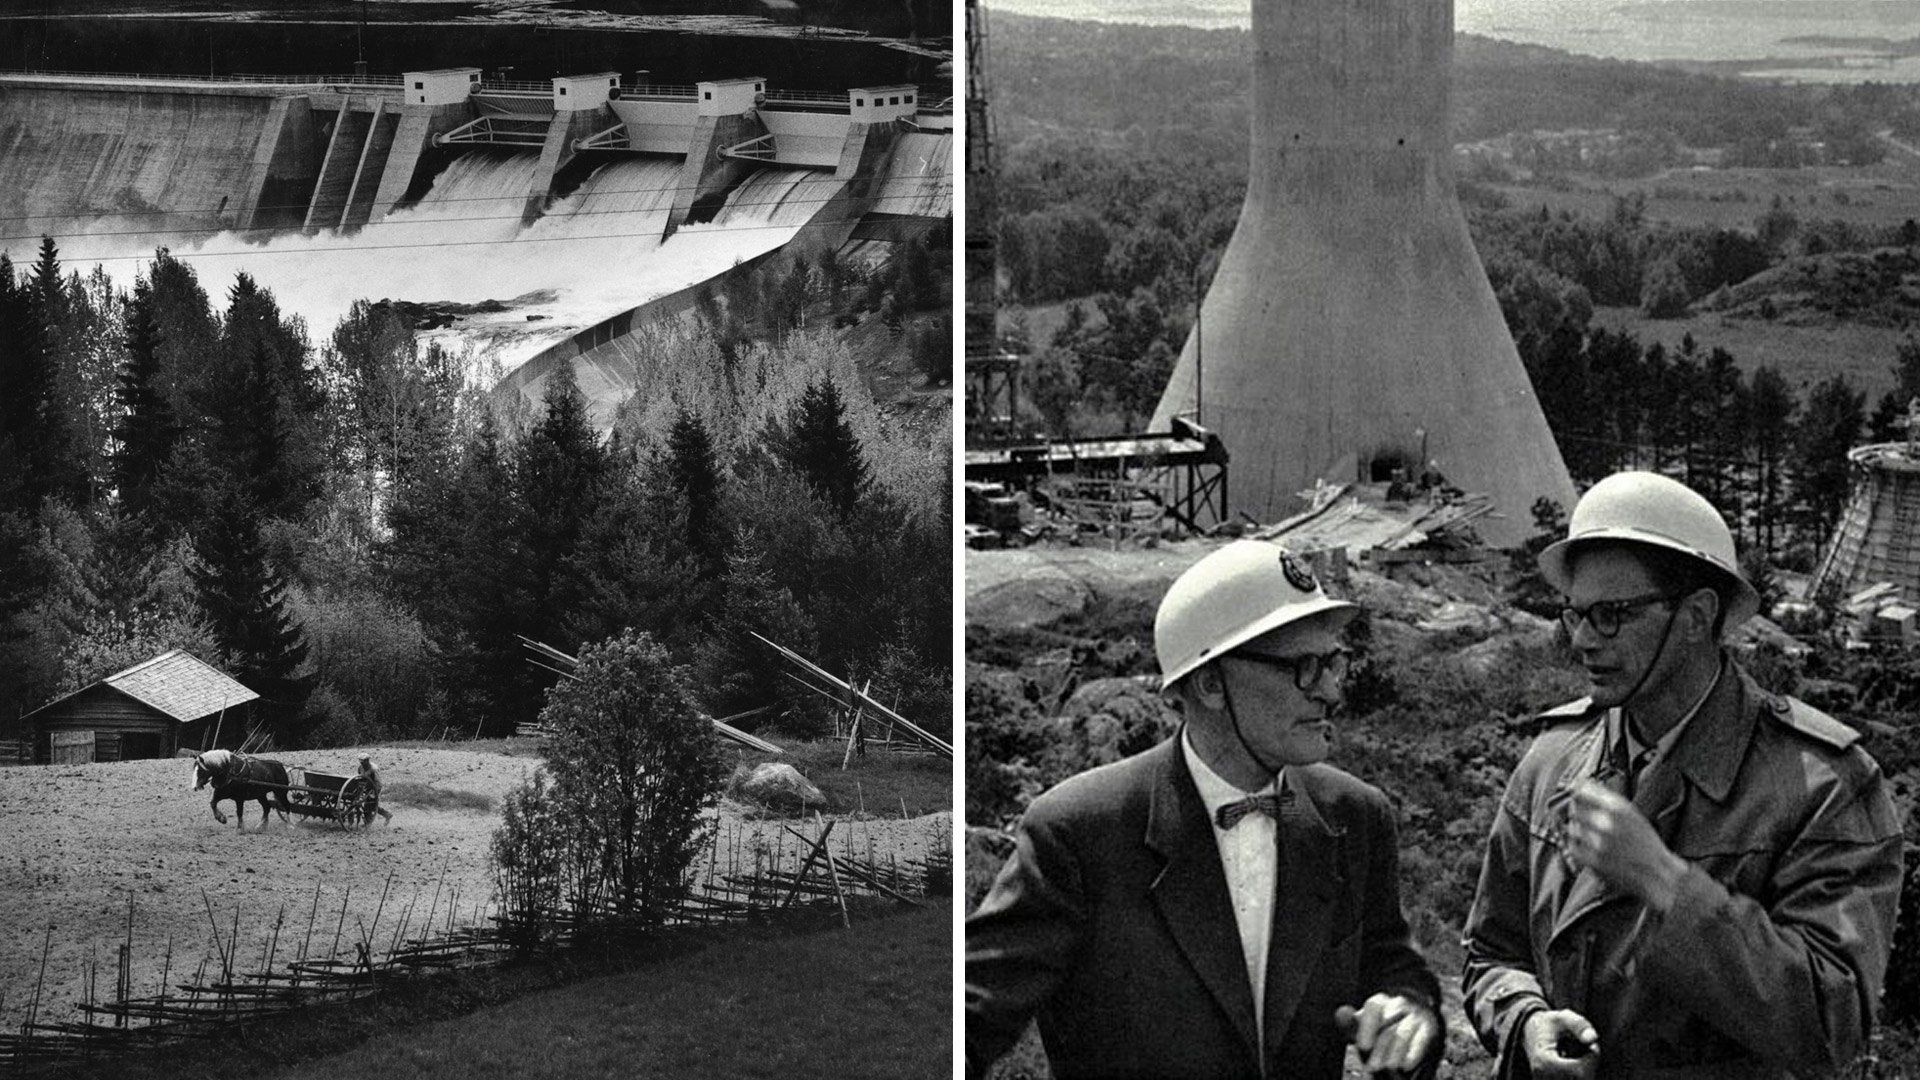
147 433
244 596
1828 429
63 457
19 391
558 469
693 468
454 555
1770 409
30 416
260 447
264 407
188 337
820 445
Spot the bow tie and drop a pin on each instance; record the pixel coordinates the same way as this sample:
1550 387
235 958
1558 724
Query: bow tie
1229 815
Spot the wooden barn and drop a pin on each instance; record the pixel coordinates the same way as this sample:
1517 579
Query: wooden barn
147 711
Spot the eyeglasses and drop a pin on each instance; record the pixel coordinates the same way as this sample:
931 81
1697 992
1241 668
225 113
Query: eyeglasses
1307 670
1606 616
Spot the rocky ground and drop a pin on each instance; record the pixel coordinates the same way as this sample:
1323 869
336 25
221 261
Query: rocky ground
86 842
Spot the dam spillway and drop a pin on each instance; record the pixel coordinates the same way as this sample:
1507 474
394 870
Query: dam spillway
327 189
342 151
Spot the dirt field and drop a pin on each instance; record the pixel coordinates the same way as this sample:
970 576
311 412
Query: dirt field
82 840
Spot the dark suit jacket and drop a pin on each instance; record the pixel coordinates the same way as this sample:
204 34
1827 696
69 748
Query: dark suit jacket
1111 923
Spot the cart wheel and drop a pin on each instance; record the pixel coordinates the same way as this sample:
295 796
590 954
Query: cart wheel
354 808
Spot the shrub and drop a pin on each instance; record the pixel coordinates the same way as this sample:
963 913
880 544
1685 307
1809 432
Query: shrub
635 766
528 860
1006 739
326 719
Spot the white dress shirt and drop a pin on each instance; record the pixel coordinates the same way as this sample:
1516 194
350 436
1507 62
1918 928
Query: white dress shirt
1249 855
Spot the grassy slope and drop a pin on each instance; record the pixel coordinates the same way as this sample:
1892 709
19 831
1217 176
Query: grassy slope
1803 354
870 1002
879 783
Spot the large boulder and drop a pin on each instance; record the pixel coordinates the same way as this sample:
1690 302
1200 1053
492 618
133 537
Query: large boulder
776 786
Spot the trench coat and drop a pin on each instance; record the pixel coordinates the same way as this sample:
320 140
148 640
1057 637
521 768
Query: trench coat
1111 924
1773 956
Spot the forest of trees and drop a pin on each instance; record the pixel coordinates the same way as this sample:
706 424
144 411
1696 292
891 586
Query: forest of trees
1770 453
358 533
1107 206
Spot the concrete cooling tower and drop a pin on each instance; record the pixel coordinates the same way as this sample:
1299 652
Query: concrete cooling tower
1878 538
1350 326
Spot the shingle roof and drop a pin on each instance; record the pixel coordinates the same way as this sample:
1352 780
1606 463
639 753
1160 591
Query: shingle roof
181 685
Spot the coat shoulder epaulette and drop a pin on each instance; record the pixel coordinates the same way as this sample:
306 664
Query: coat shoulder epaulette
1811 722
1561 714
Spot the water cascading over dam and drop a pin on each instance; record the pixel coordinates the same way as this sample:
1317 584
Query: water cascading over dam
530 214
1350 327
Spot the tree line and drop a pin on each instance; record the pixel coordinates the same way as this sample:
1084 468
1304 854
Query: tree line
358 531
1103 232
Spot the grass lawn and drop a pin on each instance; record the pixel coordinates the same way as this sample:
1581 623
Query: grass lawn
1875 196
879 783
868 1002
1804 355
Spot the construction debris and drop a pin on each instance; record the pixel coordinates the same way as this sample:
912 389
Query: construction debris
1380 531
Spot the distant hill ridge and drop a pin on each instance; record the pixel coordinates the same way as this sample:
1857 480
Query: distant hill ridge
1188 87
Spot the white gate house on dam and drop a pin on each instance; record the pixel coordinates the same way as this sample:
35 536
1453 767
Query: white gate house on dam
250 153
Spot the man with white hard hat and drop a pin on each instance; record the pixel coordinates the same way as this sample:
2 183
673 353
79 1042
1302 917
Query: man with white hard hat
1224 904
1688 875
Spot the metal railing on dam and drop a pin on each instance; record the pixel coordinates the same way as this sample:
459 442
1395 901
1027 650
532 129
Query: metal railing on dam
226 80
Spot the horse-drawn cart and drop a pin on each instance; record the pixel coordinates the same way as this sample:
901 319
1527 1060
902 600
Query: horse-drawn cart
348 801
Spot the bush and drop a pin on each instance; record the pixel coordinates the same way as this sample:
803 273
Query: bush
1006 739
529 860
327 720
635 767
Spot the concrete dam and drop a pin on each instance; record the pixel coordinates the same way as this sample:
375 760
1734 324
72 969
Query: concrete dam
613 190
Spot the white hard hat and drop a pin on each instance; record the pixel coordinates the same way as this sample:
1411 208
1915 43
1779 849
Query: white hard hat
1243 590
1647 508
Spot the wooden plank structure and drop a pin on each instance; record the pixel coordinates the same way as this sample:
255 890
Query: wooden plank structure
821 681
149 710
563 665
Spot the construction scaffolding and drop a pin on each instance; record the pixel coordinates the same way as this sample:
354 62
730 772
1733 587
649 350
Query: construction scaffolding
1128 482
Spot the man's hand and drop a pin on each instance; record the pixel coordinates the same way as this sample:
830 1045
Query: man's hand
1610 836
1561 1044
1393 1033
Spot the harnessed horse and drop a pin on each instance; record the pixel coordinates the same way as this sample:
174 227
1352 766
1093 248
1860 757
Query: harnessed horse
242 779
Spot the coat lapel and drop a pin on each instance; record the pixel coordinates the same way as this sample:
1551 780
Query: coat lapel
1707 758
1311 876
1190 894
1588 892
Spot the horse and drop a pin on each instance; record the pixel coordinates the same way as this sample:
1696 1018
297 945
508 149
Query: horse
242 779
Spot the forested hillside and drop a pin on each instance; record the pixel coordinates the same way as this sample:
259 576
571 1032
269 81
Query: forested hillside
340 520
1122 163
